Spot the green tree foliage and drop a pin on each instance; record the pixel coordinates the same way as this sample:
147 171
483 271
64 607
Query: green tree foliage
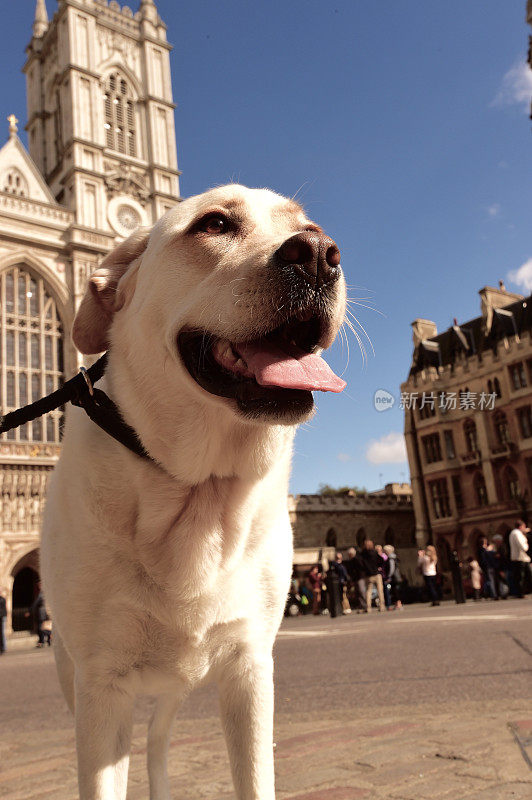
329 491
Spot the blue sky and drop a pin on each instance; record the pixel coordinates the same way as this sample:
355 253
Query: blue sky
401 124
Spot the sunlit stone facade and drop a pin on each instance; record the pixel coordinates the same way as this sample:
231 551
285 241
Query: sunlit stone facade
102 161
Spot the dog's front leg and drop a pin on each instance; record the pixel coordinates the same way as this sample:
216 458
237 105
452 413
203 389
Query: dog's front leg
246 699
158 742
103 738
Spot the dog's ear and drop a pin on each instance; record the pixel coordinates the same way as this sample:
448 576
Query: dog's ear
107 291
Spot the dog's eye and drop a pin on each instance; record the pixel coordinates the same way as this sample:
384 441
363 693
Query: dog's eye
214 224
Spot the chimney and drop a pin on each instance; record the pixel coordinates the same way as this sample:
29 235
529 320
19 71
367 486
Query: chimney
491 298
423 329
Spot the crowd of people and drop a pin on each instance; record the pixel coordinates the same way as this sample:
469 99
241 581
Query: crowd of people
371 576
366 578
502 567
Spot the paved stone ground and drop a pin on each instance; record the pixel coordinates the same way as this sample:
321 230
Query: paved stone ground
429 703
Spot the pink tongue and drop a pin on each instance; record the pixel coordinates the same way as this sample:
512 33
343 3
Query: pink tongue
272 366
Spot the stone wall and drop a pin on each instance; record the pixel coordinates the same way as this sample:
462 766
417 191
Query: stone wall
345 521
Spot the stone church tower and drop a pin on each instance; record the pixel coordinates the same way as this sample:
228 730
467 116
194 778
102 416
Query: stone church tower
102 161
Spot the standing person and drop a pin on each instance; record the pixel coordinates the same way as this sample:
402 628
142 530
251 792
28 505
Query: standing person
46 627
475 574
385 577
395 578
519 555
502 561
487 558
324 593
427 561
3 615
39 615
372 566
356 572
458 583
342 581
315 579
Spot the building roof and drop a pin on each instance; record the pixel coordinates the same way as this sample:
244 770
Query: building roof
473 337
14 156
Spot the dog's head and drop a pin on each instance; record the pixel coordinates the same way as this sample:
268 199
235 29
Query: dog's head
239 288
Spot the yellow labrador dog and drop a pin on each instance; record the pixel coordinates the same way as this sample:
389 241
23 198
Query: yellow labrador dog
214 322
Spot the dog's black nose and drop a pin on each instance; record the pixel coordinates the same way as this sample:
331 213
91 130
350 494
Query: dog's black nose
315 256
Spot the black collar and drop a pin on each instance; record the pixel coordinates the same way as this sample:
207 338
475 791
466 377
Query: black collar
80 391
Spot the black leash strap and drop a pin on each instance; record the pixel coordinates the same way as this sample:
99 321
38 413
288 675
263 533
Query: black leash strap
80 391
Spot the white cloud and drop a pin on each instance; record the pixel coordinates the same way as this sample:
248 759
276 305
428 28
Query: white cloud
389 449
343 457
523 276
494 210
516 87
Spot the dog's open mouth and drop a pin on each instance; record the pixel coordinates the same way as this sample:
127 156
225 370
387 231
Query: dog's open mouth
274 375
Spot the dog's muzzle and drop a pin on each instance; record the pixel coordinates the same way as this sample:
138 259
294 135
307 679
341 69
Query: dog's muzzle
313 257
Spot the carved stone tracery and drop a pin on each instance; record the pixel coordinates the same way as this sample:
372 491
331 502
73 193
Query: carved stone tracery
122 179
113 44
23 493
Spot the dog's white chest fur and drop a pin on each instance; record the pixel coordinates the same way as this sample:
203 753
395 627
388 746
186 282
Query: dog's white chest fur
160 572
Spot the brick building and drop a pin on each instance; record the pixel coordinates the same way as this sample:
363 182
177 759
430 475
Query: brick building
468 423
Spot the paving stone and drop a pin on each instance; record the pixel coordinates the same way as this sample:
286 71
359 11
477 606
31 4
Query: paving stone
338 793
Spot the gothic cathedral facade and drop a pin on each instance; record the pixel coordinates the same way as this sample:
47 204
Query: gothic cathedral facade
102 161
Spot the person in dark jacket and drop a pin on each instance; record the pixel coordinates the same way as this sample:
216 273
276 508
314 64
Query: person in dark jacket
39 615
3 616
357 575
373 564
343 578
487 558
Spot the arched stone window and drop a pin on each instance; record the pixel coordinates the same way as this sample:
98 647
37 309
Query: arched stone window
120 115
480 489
331 538
31 359
501 427
389 536
470 433
443 549
475 542
15 183
511 483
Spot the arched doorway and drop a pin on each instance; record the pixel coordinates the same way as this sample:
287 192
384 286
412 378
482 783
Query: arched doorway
25 577
361 537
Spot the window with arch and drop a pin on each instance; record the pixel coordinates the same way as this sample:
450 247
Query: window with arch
15 183
119 115
511 483
497 388
479 486
31 359
501 427
331 538
470 433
